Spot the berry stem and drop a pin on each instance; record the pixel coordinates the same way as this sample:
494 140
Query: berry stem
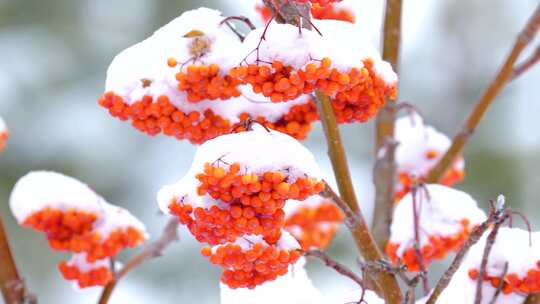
13 289
384 171
361 234
533 299
496 86
153 250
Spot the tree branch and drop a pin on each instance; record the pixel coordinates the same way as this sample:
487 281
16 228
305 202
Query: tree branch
361 234
527 64
338 267
494 217
153 250
533 299
504 75
11 283
385 168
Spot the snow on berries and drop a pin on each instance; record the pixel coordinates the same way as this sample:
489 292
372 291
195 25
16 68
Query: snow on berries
445 218
313 222
419 148
233 197
512 246
4 134
86 274
73 217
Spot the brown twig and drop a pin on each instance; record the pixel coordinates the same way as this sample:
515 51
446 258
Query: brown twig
485 256
338 267
500 285
527 64
385 167
418 251
11 283
351 218
487 98
153 250
494 216
361 234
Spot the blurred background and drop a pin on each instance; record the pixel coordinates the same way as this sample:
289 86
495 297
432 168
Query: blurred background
53 59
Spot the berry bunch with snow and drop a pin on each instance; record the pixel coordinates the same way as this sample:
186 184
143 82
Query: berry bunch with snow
419 148
196 79
313 222
436 218
75 219
4 134
513 246
233 197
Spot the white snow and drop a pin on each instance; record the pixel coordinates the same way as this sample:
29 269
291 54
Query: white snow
301 48
512 246
41 189
117 218
295 287
440 215
148 59
415 139
3 126
256 151
80 261
354 296
292 206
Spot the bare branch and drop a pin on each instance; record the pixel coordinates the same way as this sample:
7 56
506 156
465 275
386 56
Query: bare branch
526 65
500 286
11 283
496 86
338 267
153 250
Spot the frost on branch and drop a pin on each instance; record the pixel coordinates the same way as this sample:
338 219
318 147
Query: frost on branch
4 134
419 148
445 218
512 246
313 222
74 218
233 197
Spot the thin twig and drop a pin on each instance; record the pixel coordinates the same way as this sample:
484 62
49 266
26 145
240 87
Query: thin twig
361 234
11 283
485 256
385 168
527 64
474 237
485 101
153 250
351 218
338 267
418 251
500 285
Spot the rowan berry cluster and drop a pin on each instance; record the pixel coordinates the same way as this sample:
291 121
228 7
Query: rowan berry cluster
523 273
206 82
420 147
313 222
75 219
233 199
445 217
4 134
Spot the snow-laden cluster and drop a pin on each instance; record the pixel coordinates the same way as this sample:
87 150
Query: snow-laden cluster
445 218
196 79
313 222
75 219
420 147
517 247
4 134
295 287
233 197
